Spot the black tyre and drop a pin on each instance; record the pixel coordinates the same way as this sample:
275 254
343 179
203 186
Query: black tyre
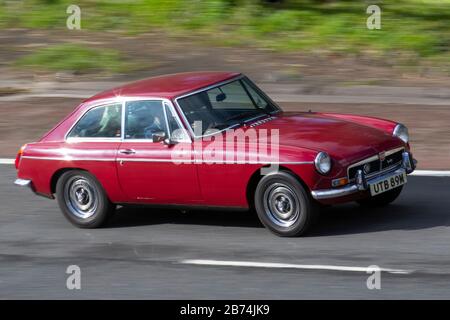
82 199
283 205
381 199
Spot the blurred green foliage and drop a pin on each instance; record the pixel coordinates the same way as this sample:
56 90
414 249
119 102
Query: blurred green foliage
73 58
419 28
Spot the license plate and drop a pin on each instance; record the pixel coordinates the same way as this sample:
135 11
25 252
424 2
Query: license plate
387 184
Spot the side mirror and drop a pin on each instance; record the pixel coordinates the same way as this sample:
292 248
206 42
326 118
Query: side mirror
159 136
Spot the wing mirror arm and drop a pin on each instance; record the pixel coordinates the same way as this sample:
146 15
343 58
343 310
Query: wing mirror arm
169 142
161 137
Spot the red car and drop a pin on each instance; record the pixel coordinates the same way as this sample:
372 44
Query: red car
166 141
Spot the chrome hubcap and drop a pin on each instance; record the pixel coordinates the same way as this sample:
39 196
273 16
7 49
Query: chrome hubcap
281 205
80 197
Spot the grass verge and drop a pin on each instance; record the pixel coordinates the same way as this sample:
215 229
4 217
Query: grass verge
74 58
412 31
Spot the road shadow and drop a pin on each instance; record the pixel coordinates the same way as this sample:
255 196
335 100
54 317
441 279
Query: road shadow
354 219
334 220
140 215
422 205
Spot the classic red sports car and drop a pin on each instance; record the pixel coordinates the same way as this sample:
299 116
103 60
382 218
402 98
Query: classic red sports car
213 139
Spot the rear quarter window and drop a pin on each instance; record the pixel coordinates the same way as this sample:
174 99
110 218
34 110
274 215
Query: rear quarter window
99 122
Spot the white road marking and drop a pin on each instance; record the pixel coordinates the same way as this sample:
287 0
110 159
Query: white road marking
249 264
7 161
431 173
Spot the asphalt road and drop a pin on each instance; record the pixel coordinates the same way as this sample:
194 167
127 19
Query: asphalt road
139 254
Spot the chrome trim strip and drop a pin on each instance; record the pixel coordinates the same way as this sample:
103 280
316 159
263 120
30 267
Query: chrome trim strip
349 189
291 162
389 152
78 139
166 120
122 122
375 157
163 160
193 161
65 158
149 160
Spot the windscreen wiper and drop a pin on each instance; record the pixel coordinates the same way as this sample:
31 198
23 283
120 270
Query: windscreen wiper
245 114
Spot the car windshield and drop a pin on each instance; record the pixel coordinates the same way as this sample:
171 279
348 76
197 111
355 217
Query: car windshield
225 106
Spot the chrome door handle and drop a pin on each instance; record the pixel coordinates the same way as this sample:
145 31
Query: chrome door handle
127 151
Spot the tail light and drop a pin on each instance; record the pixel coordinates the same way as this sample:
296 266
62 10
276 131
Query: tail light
19 156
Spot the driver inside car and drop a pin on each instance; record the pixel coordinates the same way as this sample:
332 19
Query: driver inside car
144 120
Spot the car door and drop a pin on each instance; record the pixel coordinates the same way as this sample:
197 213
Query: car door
148 171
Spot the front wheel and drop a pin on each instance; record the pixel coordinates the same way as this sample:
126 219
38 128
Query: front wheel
283 205
382 199
82 199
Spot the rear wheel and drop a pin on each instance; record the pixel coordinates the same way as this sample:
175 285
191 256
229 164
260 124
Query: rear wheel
82 199
283 205
381 199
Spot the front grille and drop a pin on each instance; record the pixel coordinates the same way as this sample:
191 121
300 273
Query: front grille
392 159
376 165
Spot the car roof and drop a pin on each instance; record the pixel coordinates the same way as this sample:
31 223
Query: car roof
166 86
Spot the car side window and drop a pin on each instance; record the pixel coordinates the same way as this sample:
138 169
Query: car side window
143 119
99 122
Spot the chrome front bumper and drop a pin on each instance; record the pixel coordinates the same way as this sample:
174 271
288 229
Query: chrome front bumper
408 165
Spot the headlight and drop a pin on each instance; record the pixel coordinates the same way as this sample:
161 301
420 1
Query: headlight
322 162
400 131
